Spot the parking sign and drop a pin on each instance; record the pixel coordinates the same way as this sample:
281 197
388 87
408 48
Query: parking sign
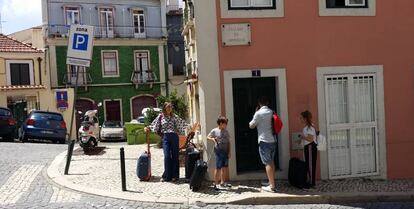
80 45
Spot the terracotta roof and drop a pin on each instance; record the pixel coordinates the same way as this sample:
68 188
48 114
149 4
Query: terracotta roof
8 44
21 87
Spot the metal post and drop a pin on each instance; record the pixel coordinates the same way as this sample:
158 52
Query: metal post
123 178
69 157
70 148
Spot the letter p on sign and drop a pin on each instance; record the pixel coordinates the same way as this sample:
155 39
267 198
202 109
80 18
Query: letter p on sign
80 42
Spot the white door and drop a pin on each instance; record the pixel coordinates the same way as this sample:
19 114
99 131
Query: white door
107 23
352 125
139 24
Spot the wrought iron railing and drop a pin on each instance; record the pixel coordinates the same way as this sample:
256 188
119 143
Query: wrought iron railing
147 76
84 78
62 31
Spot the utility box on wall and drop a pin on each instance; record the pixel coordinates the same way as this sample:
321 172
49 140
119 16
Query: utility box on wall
296 141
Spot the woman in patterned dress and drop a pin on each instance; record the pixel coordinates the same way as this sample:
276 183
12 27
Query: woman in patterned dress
169 125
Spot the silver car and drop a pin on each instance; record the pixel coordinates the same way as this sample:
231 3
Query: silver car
112 130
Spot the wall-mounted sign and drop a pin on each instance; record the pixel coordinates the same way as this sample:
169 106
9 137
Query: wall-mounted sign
235 34
62 100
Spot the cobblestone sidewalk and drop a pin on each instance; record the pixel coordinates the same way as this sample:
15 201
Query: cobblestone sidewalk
100 174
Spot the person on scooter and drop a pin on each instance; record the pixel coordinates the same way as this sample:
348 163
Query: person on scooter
168 125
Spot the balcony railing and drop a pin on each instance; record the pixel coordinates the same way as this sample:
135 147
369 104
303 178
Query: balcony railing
147 76
84 78
62 31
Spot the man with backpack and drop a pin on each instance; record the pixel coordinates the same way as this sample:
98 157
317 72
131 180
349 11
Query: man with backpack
262 119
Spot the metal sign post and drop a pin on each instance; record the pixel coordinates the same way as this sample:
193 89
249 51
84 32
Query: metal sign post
79 54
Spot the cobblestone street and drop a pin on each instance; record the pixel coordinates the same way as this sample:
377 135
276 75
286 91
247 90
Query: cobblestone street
24 184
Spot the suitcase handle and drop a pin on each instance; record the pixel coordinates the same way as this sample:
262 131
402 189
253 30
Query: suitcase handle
148 142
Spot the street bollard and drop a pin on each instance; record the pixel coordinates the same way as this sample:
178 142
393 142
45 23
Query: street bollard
69 157
123 178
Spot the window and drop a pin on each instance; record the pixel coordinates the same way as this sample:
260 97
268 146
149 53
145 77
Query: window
139 23
347 7
19 72
252 4
252 8
72 15
110 64
346 3
142 65
106 18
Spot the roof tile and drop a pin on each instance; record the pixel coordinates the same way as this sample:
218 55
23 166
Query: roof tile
8 44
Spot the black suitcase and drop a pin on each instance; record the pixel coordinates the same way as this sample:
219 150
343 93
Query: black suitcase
144 163
197 177
297 173
191 157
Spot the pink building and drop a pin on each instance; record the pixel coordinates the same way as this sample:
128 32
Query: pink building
349 62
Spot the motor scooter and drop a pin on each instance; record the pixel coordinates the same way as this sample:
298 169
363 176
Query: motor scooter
89 130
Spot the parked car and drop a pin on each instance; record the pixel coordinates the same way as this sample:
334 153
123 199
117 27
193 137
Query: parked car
112 130
44 125
141 119
7 124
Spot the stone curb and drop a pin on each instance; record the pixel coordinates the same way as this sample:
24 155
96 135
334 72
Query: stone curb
243 199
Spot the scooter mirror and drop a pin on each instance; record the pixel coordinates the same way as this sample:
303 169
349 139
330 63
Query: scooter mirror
99 104
80 112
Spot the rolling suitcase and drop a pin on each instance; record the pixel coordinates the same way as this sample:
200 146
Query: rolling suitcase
198 174
297 173
144 163
191 157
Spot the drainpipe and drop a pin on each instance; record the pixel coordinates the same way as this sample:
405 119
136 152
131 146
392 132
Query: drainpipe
39 60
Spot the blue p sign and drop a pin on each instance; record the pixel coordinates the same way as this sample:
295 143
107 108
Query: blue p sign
80 41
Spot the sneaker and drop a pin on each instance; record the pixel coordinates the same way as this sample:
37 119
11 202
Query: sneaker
216 188
226 184
268 189
264 183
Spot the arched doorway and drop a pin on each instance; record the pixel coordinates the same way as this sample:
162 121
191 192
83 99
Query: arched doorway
140 102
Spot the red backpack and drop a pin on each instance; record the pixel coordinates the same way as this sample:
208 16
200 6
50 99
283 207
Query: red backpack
276 123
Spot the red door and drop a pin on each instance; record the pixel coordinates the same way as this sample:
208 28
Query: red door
113 110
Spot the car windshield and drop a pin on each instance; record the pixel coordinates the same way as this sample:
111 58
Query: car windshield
48 116
112 124
4 112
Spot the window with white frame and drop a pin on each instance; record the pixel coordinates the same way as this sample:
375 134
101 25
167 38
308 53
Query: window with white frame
110 64
72 15
19 72
346 3
106 19
138 21
252 4
142 65
347 7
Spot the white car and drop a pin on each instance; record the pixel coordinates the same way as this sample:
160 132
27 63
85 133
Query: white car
112 130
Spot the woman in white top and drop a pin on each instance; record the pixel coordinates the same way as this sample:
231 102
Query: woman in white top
309 141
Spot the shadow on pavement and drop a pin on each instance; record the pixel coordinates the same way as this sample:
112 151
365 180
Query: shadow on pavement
91 151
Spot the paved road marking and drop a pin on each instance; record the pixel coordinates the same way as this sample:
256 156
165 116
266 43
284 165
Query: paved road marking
18 183
62 196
